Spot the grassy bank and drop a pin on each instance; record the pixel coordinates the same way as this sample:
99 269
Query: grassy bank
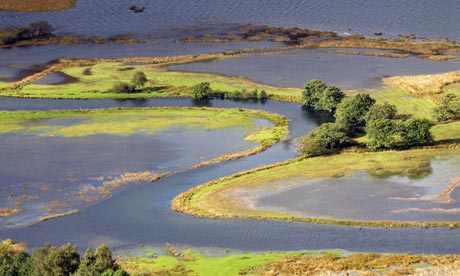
37 5
189 262
212 199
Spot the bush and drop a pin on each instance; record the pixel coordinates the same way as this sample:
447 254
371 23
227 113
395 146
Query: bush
381 134
416 132
201 91
139 79
325 139
123 87
319 96
351 112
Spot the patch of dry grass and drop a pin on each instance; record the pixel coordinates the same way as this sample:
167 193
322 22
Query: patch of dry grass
36 5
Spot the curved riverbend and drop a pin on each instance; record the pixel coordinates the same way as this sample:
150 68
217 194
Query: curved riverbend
142 214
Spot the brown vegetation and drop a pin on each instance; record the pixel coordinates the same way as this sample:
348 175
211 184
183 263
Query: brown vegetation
363 264
36 5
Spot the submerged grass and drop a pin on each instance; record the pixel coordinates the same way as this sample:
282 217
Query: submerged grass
133 120
211 199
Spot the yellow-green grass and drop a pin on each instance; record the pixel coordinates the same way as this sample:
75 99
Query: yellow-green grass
36 5
405 103
146 120
192 263
447 133
103 76
213 199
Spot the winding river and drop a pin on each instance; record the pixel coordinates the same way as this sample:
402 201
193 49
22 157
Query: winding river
141 214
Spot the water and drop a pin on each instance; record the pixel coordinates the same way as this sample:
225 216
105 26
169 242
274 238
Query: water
142 214
172 18
345 71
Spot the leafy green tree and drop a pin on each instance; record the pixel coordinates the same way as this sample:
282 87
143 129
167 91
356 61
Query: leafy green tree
381 134
311 91
330 97
201 91
416 132
449 108
97 262
325 139
13 261
351 112
139 79
255 94
49 260
263 95
381 111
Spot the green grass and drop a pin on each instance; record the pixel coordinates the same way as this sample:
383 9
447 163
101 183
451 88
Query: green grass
198 264
406 103
449 132
129 121
163 83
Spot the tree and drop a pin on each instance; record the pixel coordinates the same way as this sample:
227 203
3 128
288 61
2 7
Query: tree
416 132
97 262
263 95
201 91
40 28
49 260
330 97
139 79
13 261
311 91
123 87
449 108
381 111
351 112
381 134
325 139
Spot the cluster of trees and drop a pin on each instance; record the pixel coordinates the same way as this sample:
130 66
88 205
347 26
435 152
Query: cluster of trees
449 108
33 30
203 92
357 116
138 81
52 261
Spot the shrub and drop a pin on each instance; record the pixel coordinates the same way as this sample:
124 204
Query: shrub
201 91
325 139
123 87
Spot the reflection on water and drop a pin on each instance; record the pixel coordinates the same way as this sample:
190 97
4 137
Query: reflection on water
361 197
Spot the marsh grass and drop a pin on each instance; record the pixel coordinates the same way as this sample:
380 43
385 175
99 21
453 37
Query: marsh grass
36 5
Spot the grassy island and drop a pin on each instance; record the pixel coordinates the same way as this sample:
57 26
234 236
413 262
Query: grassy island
37 5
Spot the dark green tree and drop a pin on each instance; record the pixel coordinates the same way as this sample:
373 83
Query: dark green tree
201 91
351 112
263 95
449 108
49 260
311 92
381 111
97 262
139 79
325 139
415 132
381 134
330 97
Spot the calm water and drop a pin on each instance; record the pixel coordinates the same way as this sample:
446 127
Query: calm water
346 71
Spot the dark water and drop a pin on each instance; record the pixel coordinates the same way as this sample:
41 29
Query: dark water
142 214
171 18
346 71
